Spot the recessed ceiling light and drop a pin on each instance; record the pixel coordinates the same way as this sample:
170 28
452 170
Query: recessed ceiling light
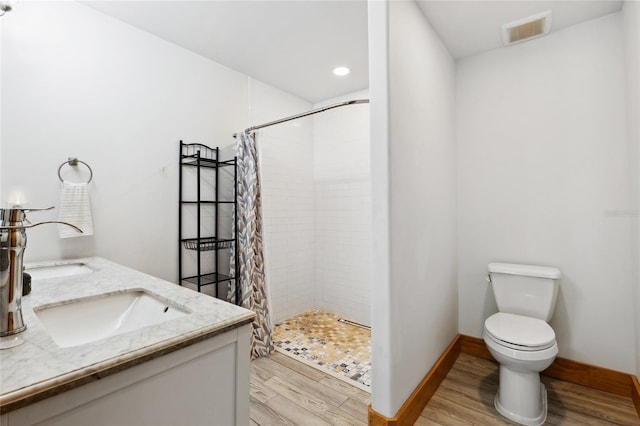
341 71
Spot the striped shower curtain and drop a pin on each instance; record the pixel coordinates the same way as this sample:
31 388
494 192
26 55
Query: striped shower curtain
250 251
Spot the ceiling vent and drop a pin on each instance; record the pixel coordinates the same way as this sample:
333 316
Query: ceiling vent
527 28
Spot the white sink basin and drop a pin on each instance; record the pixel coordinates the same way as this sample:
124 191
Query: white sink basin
54 271
86 320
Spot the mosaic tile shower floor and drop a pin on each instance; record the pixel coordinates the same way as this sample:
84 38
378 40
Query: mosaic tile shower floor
323 341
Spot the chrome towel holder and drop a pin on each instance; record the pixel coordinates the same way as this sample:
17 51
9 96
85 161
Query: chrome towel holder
73 161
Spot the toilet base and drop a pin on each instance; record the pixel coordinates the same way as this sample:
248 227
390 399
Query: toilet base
528 421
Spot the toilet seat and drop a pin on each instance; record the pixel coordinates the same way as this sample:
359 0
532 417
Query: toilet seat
519 332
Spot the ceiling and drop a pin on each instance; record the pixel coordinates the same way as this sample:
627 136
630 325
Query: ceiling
294 45
471 27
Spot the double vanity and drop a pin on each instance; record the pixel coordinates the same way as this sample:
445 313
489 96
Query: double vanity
106 344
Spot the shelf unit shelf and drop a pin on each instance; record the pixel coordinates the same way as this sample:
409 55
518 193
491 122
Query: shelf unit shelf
208 202
207 279
207 243
191 160
208 272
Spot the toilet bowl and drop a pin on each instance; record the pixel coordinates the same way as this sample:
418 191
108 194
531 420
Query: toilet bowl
524 346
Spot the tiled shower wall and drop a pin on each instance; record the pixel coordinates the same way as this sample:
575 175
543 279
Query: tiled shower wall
316 200
286 158
342 187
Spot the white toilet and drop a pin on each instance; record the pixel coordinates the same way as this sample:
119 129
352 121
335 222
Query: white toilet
520 339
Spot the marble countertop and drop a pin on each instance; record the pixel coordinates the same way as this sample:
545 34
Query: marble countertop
38 368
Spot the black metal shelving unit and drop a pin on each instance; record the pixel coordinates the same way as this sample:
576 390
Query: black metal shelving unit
201 157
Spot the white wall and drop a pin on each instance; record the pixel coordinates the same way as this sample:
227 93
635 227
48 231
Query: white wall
631 21
78 83
414 284
342 187
544 179
286 169
1 67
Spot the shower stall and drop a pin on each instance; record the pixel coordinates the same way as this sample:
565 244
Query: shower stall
316 199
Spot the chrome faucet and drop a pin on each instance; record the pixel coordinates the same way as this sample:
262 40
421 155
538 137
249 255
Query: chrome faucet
13 241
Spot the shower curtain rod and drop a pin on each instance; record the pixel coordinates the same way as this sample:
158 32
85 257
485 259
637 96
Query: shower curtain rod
305 114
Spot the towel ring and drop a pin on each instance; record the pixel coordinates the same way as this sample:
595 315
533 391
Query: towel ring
74 162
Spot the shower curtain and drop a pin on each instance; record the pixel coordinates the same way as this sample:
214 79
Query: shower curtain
250 251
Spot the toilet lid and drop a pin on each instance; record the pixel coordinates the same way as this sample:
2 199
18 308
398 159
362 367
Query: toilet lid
520 330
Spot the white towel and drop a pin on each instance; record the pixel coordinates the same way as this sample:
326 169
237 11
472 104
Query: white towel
75 208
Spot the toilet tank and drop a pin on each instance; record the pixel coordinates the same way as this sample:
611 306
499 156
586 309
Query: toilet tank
525 289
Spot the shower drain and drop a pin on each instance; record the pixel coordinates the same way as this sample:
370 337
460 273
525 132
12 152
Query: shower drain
355 324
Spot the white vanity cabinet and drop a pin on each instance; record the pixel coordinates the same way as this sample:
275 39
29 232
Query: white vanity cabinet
188 370
206 383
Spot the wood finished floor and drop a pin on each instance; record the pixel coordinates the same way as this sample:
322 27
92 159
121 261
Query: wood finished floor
287 392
